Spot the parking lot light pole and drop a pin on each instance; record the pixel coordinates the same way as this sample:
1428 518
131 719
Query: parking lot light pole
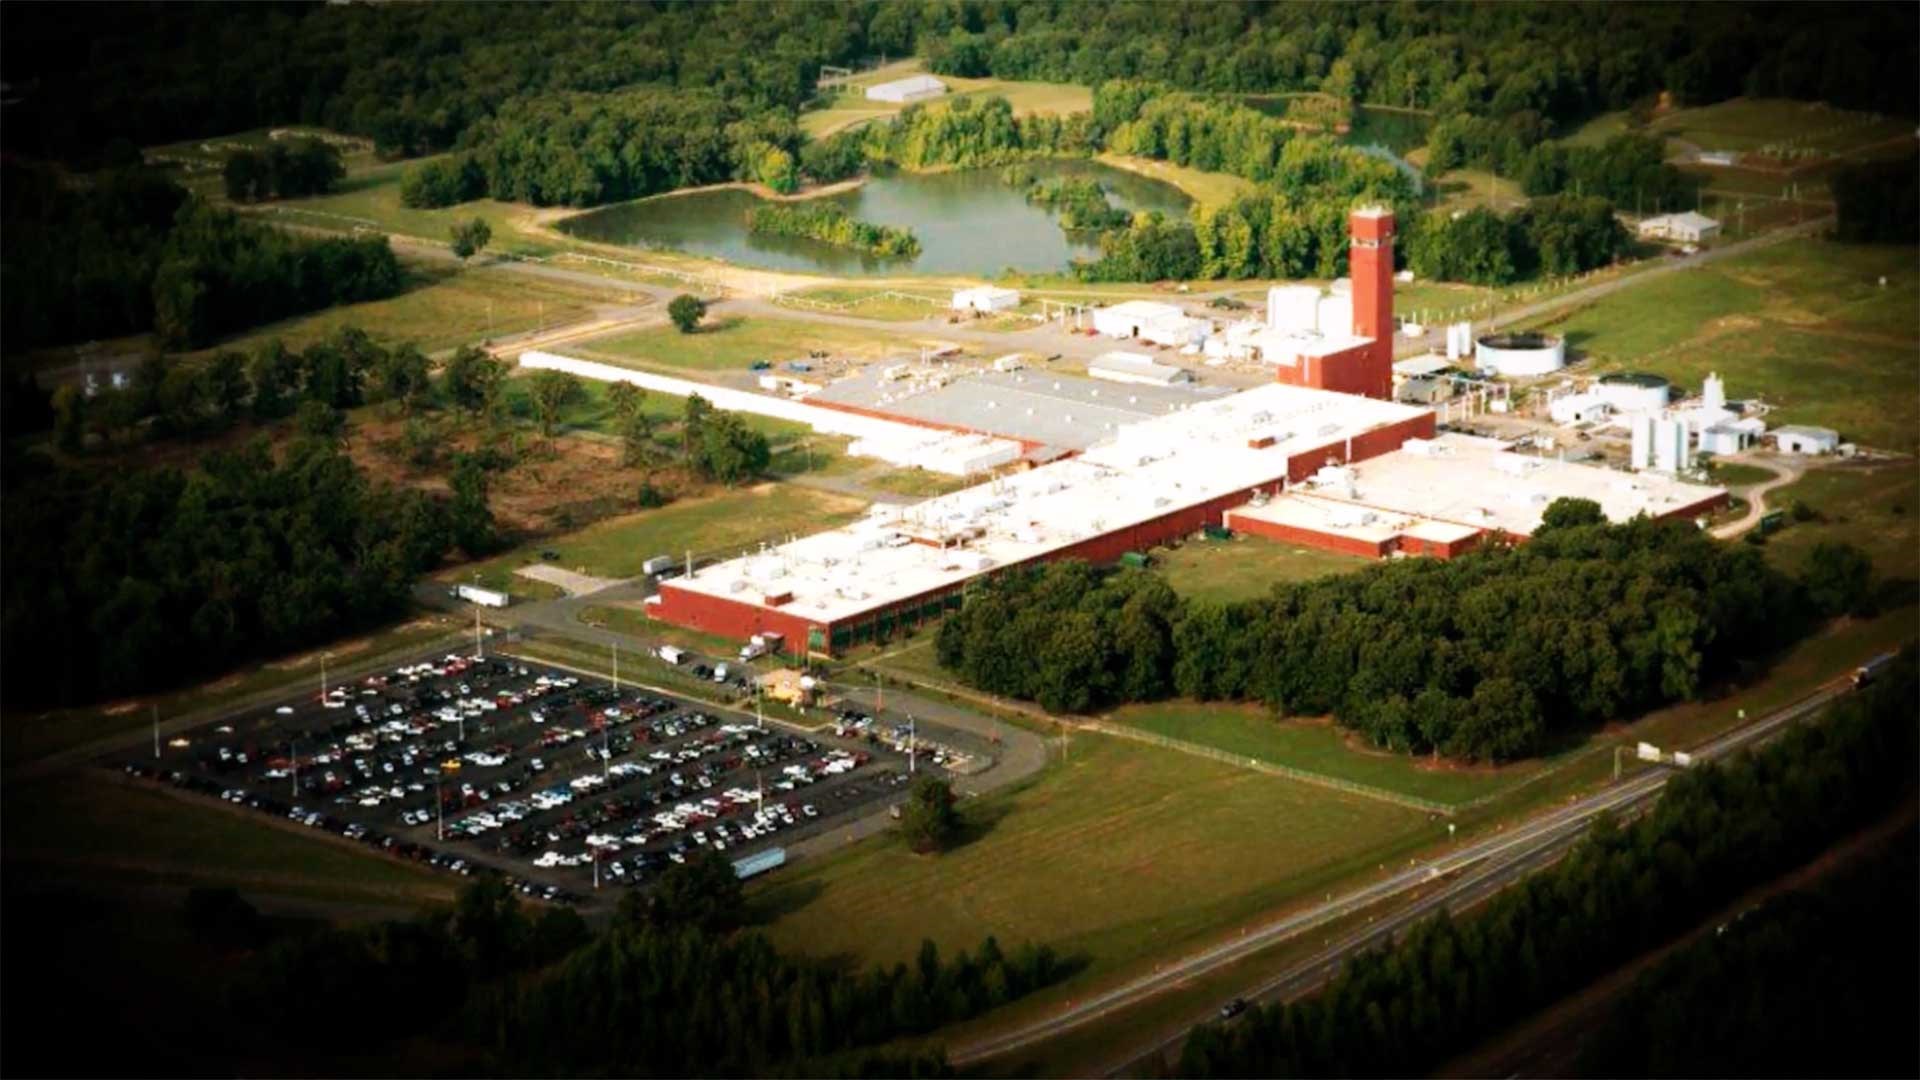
156 731
439 804
910 744
615 647
295 767
323 677
879 697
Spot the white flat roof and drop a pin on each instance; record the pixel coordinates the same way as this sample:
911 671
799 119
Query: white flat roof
1148 470
1338 518
1469 480
1425 364
1285 347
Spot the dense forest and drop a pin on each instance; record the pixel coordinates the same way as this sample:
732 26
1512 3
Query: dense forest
1817 982
1718 830
416 77
673 985
1486 657
122 579
119 582
830 223
134 251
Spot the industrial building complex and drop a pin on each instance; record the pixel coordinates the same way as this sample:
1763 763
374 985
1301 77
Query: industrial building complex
1138 454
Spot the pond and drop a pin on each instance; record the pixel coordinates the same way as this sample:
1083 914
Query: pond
969 222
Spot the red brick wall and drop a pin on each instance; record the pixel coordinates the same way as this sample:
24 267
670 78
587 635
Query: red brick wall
728 617
1313 538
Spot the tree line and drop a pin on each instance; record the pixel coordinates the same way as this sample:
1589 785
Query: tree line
830 223
1815 982
1718 830
674 986
282 171
124 581
136 252
1488 656
1556 235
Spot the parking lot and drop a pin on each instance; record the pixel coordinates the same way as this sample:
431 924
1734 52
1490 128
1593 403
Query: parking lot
557 780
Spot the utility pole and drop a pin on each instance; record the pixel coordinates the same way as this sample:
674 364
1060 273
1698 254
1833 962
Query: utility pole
323 677
479 646
156 731
439 804
879 696
911 745
614 648
294 769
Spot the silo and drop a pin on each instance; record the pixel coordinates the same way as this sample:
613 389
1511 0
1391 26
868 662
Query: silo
1642 424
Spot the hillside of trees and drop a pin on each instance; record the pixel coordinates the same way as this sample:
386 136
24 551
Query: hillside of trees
1486 657
135 252
1718 830
416 78
1818 982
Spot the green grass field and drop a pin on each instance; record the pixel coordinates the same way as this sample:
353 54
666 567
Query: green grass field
1245 567
1210 188
1872 508
867 303
98 824
848 106
1804 325
1122 851
1752 124
735 343
371 199
444 307
716 524
1734 474
1317 747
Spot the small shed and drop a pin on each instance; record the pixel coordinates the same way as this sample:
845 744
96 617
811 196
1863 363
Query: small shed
1801 439
1134 317
912 88
986 298
1579 409
1691 227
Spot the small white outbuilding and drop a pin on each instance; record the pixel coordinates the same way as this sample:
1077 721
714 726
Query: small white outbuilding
1690 227
986 298
912 88
1802 439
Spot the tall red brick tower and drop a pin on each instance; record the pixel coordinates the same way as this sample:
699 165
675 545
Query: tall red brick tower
1370 262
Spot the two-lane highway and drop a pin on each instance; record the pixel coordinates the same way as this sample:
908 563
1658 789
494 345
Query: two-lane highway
1459 877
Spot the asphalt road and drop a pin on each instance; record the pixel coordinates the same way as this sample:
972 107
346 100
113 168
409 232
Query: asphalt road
1472 870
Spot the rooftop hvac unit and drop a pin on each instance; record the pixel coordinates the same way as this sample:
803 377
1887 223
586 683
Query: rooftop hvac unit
737 585
775 599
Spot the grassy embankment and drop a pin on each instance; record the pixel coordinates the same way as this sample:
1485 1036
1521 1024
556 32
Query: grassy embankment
732 344
726 524
1803 325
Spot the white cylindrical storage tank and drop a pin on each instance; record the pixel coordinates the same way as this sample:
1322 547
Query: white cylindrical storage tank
1642 424
1634 391
1522 354
1293 308
1336 315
